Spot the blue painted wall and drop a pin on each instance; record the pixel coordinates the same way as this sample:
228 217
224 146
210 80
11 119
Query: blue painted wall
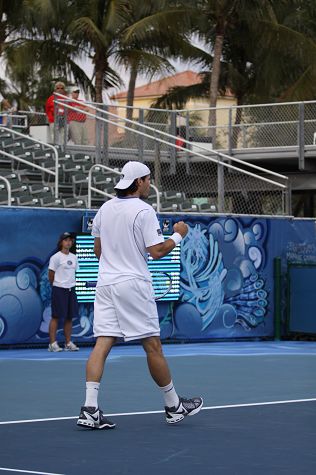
226 279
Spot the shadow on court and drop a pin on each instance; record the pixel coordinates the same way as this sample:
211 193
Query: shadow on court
276 439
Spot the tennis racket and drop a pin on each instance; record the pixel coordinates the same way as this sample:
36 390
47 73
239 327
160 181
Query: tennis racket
162 284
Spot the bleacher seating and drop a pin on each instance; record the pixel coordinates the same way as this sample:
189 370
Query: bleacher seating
189 206
34 187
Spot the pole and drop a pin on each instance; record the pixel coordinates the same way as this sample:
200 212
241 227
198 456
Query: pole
277 297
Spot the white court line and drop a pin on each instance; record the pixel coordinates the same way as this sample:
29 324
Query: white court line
208 408
28 471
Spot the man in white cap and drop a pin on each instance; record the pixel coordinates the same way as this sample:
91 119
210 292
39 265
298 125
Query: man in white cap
77 120
126 229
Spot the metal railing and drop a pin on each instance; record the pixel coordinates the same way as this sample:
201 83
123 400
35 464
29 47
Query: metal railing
91 188
194 122
8 186
224 171
31 139
11 119
237 128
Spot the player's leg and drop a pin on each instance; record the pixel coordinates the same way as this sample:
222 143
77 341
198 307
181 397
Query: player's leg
90 414
96 361
58 306
106 329
72 313
157 364
67 330
176 408
53 327
75 134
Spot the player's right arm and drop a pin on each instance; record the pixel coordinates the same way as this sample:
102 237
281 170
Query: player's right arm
51 276
97 247
52 267
162 249
96 229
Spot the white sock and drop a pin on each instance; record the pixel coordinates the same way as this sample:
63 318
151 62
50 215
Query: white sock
170 396
92 392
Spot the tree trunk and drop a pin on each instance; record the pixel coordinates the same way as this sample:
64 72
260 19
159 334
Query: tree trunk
236 130
216 69
131 92
100 68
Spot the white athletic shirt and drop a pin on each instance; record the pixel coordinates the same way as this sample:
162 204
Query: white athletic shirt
126 227
64 266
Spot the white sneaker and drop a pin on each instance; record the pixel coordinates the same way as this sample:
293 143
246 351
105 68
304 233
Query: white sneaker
54 347
71 347
186 407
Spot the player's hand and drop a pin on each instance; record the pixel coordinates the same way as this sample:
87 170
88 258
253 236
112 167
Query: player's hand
181 228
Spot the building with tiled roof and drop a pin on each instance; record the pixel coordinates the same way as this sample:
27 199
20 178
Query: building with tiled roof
147 94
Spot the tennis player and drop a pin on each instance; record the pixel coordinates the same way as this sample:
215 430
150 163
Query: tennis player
126 229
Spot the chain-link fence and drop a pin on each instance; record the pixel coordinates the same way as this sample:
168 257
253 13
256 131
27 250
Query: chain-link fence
200 180
236 127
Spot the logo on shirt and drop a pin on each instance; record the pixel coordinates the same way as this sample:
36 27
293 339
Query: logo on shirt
159 232
69 263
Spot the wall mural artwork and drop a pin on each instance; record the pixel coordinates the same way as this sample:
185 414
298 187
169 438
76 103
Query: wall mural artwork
227 285
222 279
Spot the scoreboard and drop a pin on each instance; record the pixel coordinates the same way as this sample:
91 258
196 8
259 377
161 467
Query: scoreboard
87 273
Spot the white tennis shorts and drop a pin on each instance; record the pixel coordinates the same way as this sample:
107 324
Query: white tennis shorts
127 310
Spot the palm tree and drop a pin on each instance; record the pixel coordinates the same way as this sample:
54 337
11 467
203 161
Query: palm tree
42 50
11 20
262 56
97 24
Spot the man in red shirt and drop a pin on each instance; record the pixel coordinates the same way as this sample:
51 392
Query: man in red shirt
77 120
60 119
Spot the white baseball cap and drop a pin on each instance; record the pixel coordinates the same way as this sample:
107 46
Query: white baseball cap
130 172
74 88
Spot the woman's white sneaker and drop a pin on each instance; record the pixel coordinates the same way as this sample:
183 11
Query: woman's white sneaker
71 347
54 347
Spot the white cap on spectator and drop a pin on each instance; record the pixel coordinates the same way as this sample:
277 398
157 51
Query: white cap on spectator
74 88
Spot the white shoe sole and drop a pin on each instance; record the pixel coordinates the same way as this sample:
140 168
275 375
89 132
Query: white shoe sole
90 425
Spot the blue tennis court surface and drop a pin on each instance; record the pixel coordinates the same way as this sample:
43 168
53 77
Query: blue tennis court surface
259 415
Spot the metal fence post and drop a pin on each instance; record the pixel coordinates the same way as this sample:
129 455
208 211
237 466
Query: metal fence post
244 138
230 131
220 187
157 165
288 200
105 125
301 140
173 151
277 297
65 127
187 137
98 134
54 138
141 137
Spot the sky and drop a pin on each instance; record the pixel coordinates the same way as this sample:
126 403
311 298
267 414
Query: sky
141 80
86 64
